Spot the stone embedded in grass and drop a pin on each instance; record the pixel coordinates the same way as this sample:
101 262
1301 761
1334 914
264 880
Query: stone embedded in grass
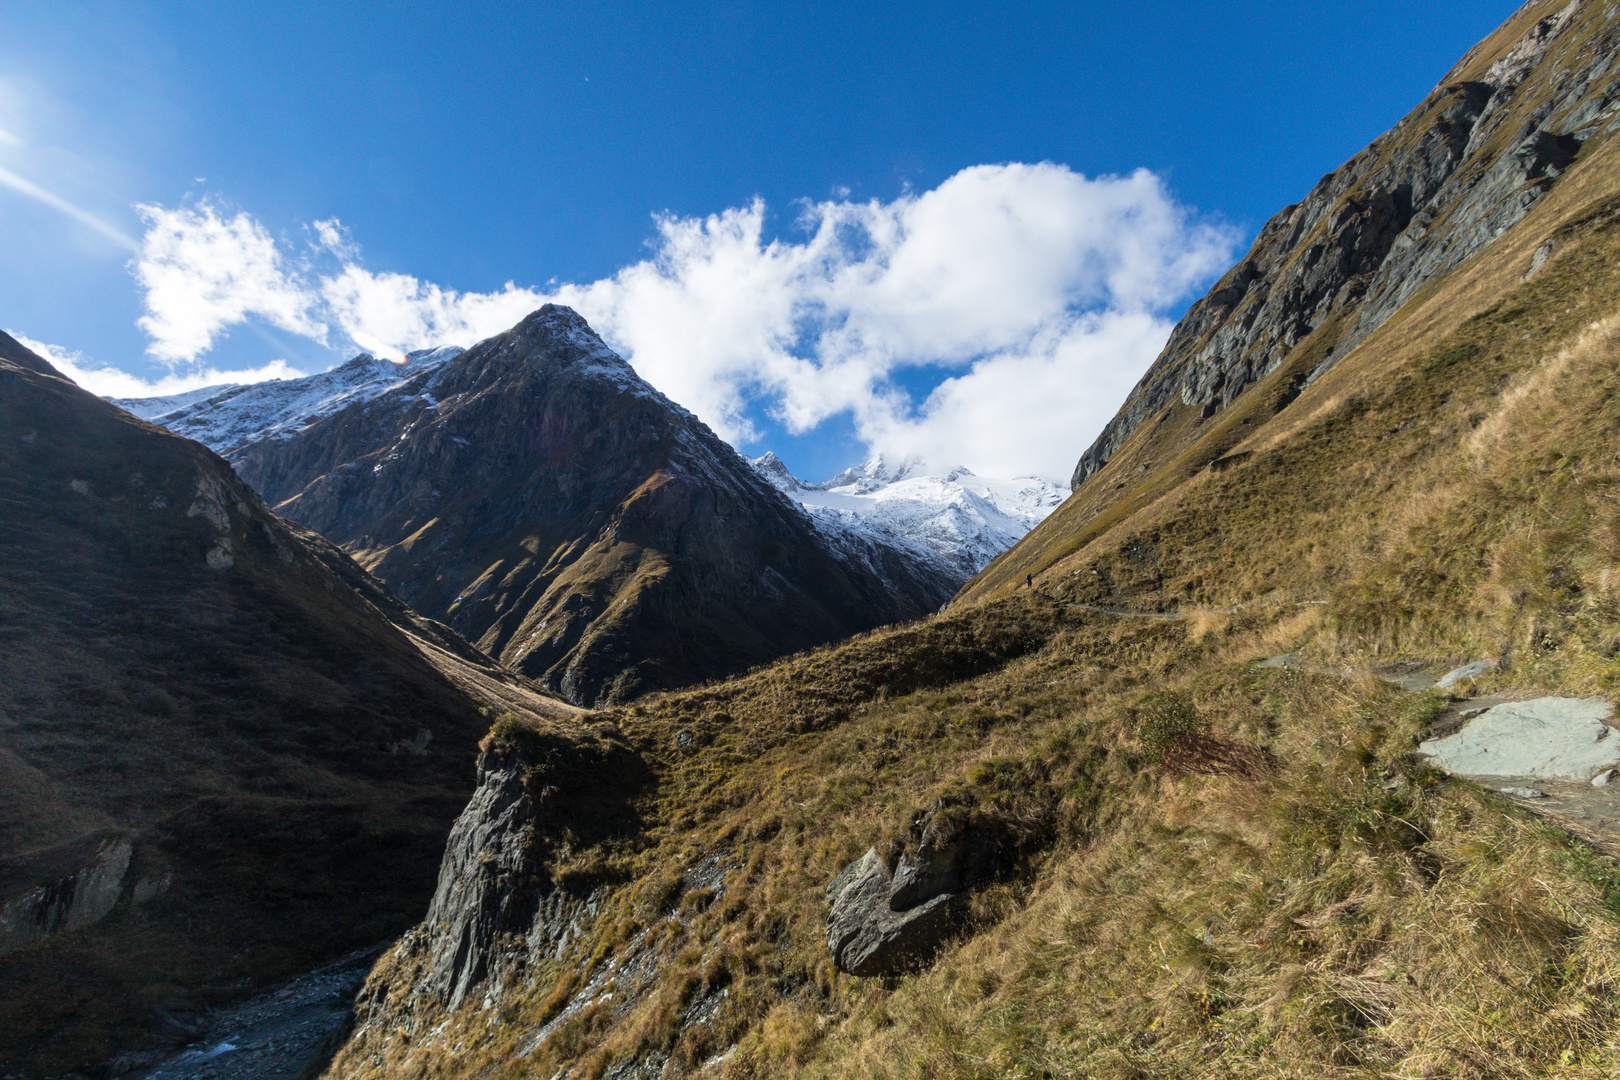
1467 671
1523 792
1551 738
868 937
1602 779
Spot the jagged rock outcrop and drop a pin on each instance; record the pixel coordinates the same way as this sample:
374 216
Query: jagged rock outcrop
538 496
488 865
496 907
868 935
880 923
209 725
1462 168
81 898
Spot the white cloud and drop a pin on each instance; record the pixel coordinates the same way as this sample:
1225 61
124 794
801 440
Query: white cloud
1039 293
1031 410
390 314
202 273
110 382
1046 286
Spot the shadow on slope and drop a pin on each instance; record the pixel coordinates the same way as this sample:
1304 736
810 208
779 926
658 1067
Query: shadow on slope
220 762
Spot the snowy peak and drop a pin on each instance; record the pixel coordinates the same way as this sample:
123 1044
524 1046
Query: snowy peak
959 519
773 469
225 418
877 472
538 495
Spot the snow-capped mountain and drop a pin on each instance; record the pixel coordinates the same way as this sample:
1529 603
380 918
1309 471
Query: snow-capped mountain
228 417
962 519
535 493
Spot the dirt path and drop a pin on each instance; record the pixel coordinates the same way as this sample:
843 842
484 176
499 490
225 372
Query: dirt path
1168 616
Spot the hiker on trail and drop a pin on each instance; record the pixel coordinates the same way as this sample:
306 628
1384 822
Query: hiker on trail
1029 580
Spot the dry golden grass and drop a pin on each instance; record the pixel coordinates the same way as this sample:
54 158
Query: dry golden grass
1341 912
1260 881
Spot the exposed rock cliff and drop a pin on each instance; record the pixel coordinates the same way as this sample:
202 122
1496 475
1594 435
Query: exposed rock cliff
1459 170
542 499
77 900
543 790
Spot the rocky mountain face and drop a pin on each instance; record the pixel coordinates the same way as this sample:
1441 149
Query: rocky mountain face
1462 168
226 753
959 520
227 418
538 496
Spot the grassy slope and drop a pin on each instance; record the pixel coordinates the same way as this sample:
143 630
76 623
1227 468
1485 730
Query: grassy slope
235 724
1286 892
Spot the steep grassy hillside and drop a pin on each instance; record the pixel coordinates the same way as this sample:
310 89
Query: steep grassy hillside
1202 867
226 754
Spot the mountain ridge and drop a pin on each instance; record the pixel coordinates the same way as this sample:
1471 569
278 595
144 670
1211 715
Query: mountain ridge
537 495
1451 176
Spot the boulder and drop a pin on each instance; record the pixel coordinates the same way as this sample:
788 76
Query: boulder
1551 738
76 901
868 936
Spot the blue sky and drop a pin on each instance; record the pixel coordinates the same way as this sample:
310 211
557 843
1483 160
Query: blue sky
927 293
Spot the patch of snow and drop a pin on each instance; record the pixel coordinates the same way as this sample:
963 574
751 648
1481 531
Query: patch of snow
224 418
959 518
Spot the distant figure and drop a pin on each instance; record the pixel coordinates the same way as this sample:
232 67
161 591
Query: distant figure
1029 580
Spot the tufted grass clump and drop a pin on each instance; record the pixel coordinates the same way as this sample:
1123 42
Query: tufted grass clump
1163 718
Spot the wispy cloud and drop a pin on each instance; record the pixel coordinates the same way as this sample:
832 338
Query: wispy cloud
1038 293
27 187
110 382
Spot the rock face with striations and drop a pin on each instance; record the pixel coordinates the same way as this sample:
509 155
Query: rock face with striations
1457 172
882 923
538 496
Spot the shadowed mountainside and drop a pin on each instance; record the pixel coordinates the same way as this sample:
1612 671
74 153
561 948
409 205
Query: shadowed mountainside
226 754
543 500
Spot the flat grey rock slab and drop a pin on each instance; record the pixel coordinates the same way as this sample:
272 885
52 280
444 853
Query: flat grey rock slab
1554 738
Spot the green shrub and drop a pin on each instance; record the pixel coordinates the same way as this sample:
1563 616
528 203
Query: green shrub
1162 718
